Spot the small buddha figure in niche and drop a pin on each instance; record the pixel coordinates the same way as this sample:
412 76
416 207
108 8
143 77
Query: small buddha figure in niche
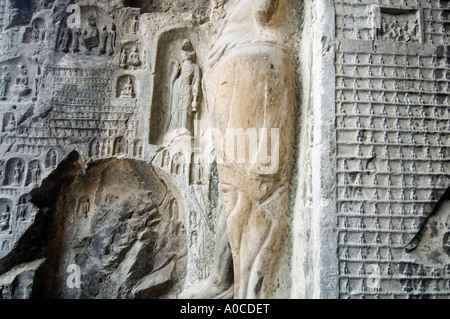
127 91
133 59
21 88
11 125
4 218
91 35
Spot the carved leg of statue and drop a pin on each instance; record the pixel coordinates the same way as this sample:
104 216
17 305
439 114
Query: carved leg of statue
258 231
253 87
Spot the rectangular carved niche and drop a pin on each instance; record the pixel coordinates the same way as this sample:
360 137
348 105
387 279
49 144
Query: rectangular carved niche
404 25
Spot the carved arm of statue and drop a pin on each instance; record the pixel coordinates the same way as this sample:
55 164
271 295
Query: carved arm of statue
264 10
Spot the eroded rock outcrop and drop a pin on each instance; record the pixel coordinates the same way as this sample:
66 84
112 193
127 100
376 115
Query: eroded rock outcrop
115 221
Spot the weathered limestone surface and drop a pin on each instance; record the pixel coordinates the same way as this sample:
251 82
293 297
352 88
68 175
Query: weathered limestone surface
224 149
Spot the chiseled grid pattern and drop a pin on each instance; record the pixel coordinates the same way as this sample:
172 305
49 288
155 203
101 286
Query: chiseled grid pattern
393 129
81 109
352 17
2 14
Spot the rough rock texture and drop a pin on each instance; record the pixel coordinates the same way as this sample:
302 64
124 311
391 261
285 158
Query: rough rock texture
129 241
224 148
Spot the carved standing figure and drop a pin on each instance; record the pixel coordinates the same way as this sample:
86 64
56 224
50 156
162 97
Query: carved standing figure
22 210
250 84
17 173
112 39
4 218
95 148
52 157
65 39
35 174
37 83
36 34
76 40
103 41
123 58
6 78
135 24
185 85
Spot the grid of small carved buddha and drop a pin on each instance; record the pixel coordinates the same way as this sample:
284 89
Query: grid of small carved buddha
393 128
2 14
83 108
403 20
80 87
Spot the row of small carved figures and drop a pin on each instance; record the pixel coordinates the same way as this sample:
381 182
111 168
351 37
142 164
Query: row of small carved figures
399 271
410 88
422 130
396 141
78 75
89 115
86 95
19 173
430 18
20 212
91 38
395 73
355 59
90 122
103 41
135 151
403 3
409 289
355 192
389 166
362 254
388 184
93 124
91 111
349 123
411 147
376 227
94 83
361 163
64 138
430 15
388 197
370 208
395 32
78 101
418 99
430 112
